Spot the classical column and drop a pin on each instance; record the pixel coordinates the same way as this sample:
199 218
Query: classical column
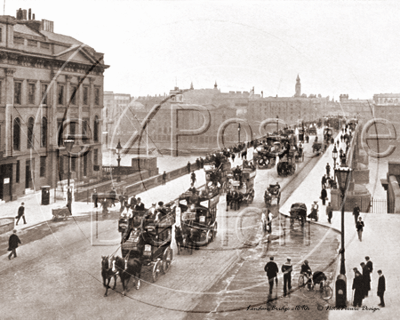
9 110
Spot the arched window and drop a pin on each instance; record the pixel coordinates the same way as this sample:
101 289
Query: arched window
31 122
96 129
43 133
17 134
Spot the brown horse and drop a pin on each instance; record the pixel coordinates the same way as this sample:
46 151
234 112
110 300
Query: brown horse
127 267
107 273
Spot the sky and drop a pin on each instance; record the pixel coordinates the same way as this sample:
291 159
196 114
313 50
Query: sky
336 47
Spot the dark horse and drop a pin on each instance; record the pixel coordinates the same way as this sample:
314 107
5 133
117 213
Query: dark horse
107 273
126 268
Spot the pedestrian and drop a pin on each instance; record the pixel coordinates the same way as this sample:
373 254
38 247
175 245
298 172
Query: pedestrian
113 196
328 169
21 213
132 202
201 162
381 288
366 278
193 178
324 195
122 198
164 177
358 288
271 268
233 157
13 244
198 163
188 166
263 220
270 217
369 264
329 212
287 277
356 213
95 197
360 228
323 181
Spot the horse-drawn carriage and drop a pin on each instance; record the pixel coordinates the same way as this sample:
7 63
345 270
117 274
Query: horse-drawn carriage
273 192
196 220
147 237
241 188
312 130
317 147
287 161
328 135
264 158
216 176
298 212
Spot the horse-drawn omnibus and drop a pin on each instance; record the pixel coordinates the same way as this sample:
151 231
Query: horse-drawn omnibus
147 237
241 188
196 216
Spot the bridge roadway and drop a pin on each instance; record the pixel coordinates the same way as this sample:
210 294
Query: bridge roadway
58 276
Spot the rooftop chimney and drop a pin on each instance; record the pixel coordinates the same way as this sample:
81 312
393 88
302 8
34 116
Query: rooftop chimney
47 25
24 14
29 14
33 16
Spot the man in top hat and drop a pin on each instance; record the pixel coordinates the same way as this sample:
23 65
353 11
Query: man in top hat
381 288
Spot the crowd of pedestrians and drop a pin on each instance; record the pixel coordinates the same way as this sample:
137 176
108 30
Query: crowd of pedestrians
362 283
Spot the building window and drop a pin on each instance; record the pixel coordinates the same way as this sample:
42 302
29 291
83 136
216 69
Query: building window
85 136
60 130
96 129
42 166
74 92
85 96
97 96
17 172
44 93
17 92
31 93
96 156
17 134
31 122
60 94
72 130
43 133
73 164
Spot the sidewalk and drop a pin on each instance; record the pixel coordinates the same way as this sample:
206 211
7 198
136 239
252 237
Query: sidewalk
380 240
35 213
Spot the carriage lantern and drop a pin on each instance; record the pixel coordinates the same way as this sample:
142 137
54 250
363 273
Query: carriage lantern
334 156
343 175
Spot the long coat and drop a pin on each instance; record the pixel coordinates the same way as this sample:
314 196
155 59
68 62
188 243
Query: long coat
324 194
366 279
13 242
358 286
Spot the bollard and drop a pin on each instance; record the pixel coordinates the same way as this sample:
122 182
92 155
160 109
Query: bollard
341 291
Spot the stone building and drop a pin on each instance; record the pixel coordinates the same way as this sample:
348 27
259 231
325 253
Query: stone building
51 85
115 110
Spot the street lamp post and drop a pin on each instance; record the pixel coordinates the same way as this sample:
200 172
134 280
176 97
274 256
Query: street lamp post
334 156
119 148
343 176
69 143
239 133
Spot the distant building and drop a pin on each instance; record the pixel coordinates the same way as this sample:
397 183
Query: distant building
51 87
360 108
115 110
387 106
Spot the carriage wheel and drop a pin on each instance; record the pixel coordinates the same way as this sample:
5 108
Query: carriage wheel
156 270
209 235
215 229
326 292
301 280
167 259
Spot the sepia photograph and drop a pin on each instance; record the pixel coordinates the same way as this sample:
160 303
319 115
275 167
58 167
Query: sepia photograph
193 159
